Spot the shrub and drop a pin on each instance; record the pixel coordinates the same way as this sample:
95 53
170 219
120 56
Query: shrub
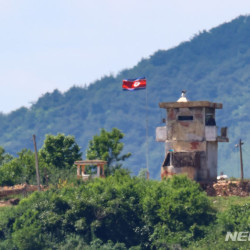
132 211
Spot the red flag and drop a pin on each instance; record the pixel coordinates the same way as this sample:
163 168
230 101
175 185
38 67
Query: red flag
134 84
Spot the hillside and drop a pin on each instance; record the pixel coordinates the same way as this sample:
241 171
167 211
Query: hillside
214 65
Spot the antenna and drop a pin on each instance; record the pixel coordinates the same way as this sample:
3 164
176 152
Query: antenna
183 97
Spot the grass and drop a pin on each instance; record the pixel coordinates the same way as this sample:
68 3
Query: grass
3 209
222 203
14 196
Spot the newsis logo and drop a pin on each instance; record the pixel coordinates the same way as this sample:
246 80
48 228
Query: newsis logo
237 236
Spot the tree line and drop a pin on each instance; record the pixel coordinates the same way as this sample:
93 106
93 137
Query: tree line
118 212
57 157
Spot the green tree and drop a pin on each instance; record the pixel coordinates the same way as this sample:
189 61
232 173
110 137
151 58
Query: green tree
26 159
143 173
4 157
19 169
2 151
60 151
11 173
107 147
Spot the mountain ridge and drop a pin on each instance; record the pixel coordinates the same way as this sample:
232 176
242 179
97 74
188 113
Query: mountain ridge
214 65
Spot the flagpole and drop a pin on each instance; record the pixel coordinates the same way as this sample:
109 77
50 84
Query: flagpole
147 131
132 84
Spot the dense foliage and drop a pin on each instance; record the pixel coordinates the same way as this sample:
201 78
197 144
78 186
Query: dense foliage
235 219
56 161
60 151
214 65
121 212
119 209
107 147
18 170
4 157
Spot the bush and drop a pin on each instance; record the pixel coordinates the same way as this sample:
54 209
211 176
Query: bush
237 218
177 210
132 211
11 173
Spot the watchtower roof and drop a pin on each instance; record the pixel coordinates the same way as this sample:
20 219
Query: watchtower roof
188 104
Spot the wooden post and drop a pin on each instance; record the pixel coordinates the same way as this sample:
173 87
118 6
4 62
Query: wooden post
83 170
78 171
241 160
37 165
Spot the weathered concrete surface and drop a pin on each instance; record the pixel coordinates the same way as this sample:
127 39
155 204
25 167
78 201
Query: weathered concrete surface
161 134
194 104
186 159
223 136
212 156
169 171
190 130
191 138
185 131
222 139
211 133
185 146
182 162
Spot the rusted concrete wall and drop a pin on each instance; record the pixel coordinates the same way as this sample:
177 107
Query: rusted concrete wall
185 138
169 171
183 162
191 139
185 146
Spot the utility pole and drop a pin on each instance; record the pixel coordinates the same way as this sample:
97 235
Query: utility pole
241 159
37 166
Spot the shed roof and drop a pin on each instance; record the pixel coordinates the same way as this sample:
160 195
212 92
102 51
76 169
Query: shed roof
90 162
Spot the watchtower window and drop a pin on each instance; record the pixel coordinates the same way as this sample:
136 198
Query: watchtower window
210 121
185 118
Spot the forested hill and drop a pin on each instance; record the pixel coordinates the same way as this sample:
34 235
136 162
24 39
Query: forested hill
214 65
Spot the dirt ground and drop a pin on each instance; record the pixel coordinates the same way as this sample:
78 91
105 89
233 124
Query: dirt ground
228 188
10 191
221 188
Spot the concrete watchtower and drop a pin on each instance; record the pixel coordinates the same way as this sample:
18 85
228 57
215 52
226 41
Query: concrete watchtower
191 140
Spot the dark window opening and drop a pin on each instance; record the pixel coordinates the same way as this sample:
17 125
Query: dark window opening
184 159
210 121
185 118
167 160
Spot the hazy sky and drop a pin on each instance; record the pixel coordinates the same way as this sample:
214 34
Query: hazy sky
48 44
